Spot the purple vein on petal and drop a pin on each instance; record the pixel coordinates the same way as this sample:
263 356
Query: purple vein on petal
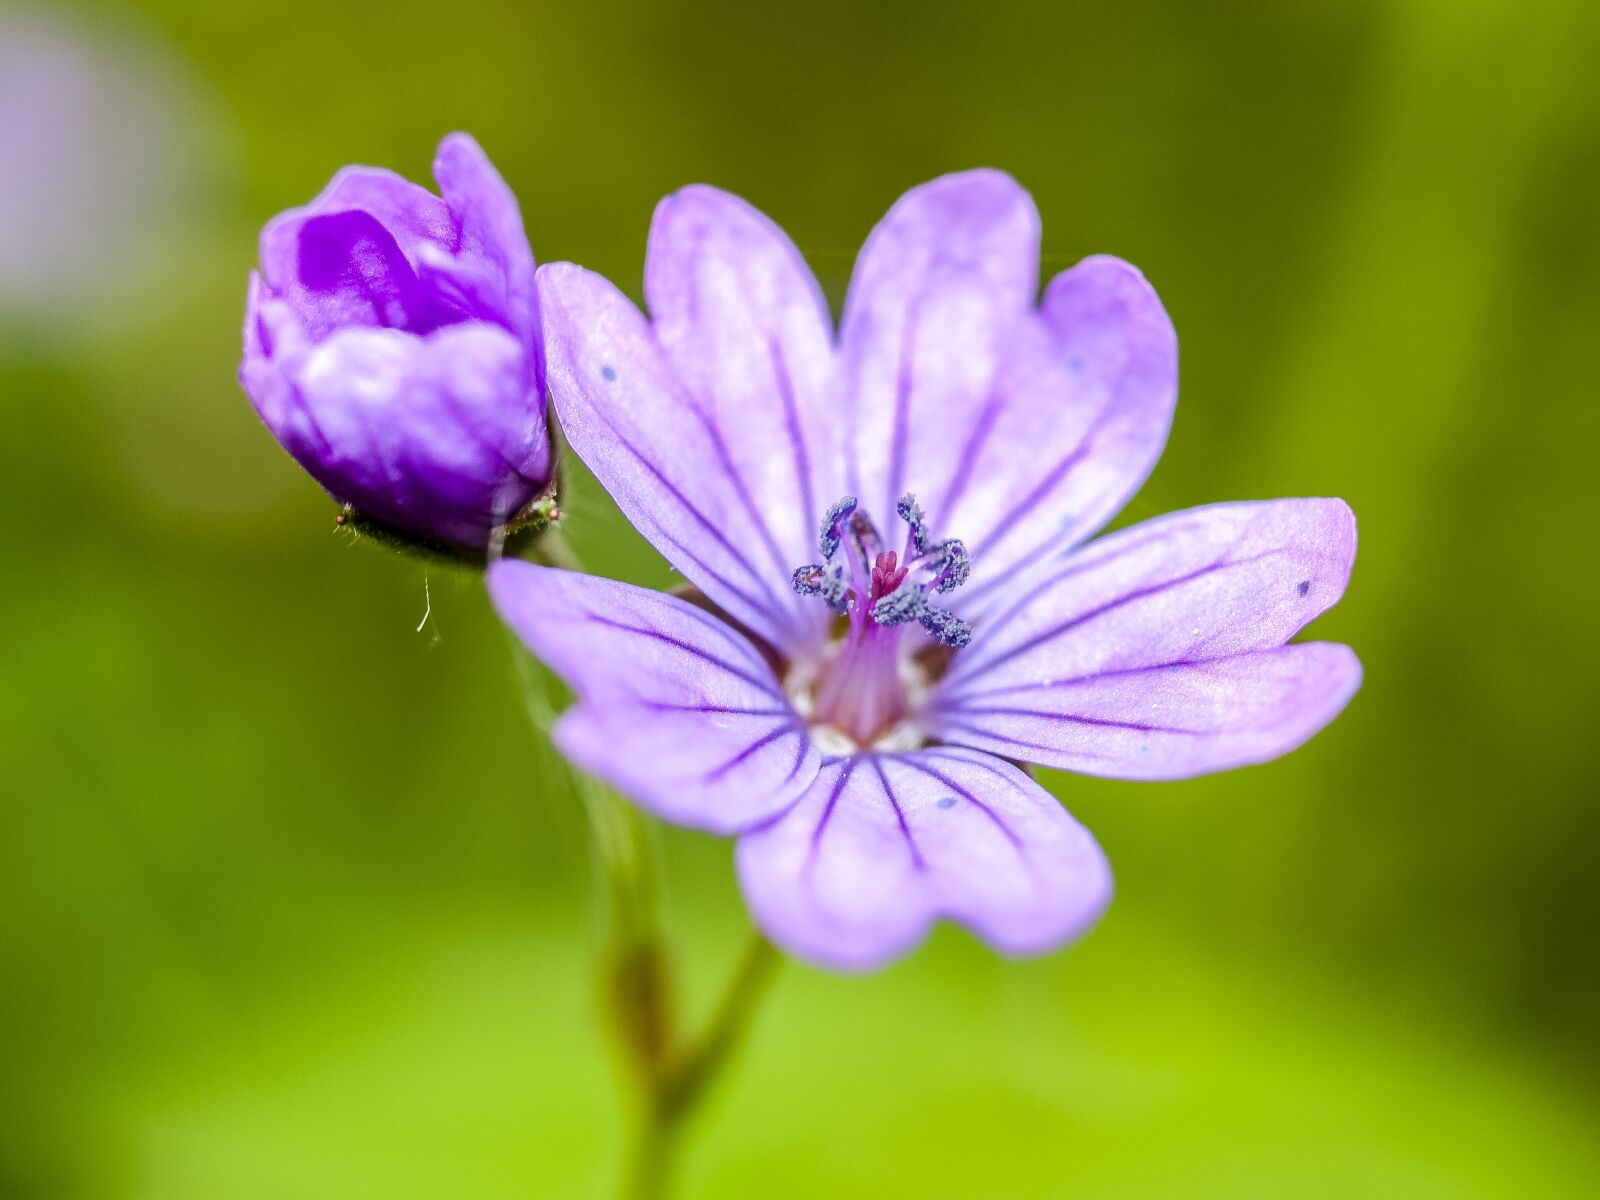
1008 739
780 604
902 401
730 471
1006 525
915 762
953 704
1077 565
899 814
827 813
965 463
1075 719
732 710
1038 639
709 571
750 751
802 748
797 433
766 685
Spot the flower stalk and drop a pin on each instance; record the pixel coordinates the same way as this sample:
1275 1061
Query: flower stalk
678 1090
668 1074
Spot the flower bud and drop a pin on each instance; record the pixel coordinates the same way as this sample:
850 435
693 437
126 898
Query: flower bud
392 345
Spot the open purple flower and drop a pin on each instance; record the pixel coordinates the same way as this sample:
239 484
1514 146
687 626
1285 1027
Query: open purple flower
851 704
392 345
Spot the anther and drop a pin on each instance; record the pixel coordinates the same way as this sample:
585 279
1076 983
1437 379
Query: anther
807 580
955 564
911 513
833 526
945 627
884 587
898 607
819 579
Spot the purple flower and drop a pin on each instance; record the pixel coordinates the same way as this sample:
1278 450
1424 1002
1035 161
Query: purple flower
392 344
889 527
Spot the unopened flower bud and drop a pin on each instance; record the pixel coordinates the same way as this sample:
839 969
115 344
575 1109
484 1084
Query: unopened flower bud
392 345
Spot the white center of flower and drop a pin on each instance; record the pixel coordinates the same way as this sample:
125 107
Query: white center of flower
907 733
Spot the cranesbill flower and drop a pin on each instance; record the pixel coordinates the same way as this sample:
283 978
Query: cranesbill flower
392 345
899 602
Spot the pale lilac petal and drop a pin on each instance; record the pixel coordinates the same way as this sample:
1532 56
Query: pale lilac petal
434 434
675 709
1158 652
882 845
1166 722
634 423
1075 417
739 315
936 294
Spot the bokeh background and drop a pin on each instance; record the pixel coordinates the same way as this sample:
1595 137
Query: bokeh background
293 903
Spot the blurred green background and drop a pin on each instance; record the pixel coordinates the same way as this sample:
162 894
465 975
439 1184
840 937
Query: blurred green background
293 904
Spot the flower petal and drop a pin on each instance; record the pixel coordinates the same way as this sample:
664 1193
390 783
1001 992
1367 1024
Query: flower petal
1168 722
1076 416
490 234
350 271
738 313
263 381
675 708
413 215
636 426
439 435
1158 652
881 845
936 291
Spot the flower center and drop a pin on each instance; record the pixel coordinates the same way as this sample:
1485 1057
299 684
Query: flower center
866 684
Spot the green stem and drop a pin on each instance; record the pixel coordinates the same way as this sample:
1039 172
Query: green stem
635 989
691 1074
671 1080
550 549
697 1070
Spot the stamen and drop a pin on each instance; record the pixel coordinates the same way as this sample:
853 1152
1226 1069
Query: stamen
861 689
911 513
833 526
819 579
865 536
955 564
808 580
870 583
901 606
836 592
946 628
